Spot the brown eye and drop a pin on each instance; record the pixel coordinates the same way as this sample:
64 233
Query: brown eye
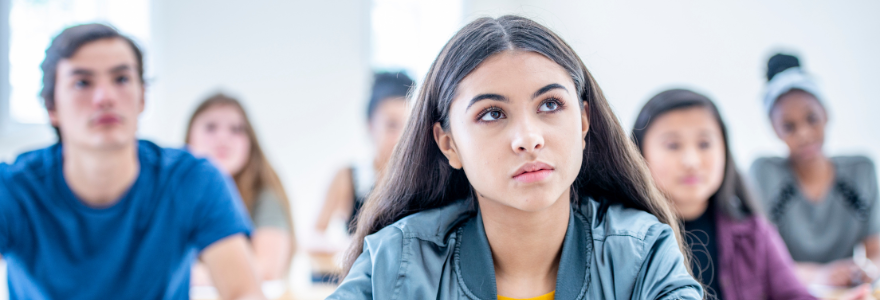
788 127
492 114
237 129
81 84
551 105
812 119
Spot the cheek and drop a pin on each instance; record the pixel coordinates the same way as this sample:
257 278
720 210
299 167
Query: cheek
819 129
242 147
201 141
569 146
715 164
662 170
484 158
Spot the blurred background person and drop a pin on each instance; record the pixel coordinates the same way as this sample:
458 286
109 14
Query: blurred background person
736 253
386 115
102 214
824 207
221 131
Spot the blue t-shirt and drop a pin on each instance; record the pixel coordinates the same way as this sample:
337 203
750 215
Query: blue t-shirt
141 247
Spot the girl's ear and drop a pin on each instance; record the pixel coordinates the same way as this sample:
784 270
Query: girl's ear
585 124
447 146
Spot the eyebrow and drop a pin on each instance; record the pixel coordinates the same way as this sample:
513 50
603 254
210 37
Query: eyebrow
501 98
670 134
548 88
82 72
116 69
481 97
120 68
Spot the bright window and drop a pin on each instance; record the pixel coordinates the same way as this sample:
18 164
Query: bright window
33 24
408 34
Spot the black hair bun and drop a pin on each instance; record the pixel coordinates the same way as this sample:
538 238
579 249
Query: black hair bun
781 62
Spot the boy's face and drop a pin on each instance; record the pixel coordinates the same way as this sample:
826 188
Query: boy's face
98 95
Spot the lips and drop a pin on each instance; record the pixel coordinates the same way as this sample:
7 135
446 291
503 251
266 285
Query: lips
107 119
690 180
533 172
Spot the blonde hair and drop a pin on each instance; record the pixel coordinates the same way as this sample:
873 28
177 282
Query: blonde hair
257 174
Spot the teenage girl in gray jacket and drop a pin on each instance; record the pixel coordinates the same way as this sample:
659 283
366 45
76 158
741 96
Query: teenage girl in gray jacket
514 179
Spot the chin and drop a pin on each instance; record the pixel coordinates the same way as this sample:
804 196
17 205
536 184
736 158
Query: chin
533 203
112 142
691 198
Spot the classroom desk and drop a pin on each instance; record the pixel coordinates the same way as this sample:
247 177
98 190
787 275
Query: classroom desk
832 292
274 290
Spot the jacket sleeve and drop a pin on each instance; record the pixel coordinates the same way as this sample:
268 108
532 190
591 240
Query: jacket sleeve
662 273
374 275
783 282
5 205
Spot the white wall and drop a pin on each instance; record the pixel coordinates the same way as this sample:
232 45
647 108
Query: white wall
301 68
636 49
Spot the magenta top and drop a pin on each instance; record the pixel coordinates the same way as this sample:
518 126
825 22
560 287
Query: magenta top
754 262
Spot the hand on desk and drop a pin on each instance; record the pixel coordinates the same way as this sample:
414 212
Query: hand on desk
862 292
843 272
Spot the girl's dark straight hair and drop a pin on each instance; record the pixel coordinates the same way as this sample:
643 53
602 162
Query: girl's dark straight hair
733 197
419 177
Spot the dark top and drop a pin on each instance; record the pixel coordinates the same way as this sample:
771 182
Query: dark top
363 178
703 242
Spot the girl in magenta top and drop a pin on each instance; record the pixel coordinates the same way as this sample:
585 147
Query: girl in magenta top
736 253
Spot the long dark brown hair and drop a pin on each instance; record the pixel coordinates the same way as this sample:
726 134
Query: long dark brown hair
732 198
257 174
419 177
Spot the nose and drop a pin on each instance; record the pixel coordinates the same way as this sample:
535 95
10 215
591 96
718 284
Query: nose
690 158
803 133
104 96
527 137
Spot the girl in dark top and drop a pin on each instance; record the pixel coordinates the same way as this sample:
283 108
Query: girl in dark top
736 253
386 115
824 207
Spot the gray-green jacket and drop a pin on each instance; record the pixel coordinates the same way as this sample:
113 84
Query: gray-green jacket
444 254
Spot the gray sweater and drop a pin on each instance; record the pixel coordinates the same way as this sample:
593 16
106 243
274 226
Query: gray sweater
827 230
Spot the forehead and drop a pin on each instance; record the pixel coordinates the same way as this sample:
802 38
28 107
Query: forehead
101 55
222 112
514 71
796 103
687 120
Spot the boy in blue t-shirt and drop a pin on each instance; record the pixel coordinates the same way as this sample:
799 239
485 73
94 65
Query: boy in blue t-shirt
101 215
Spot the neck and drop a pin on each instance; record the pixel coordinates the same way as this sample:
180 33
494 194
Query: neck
690 212
526 246
818 167
100 177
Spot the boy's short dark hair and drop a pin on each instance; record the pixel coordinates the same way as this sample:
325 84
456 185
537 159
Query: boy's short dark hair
65 45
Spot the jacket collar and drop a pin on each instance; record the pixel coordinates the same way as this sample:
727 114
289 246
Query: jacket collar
476 271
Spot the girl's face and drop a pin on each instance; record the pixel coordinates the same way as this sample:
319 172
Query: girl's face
799 121
686 154
517 128
219 134
386 125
